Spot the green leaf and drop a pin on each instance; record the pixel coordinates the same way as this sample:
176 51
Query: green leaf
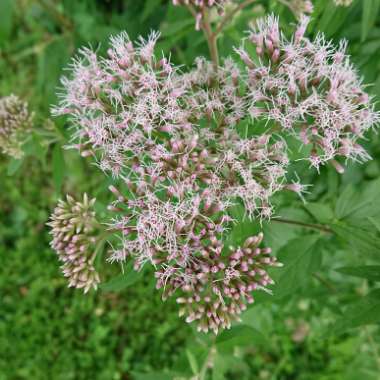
361 204
240 335
345 202
124 280
375 222
301 257
363 312
192 361
321 212
13 166
149 8
370 11
6 19
332 19
222 364
358 238
35 147
370 272
58 164
176 27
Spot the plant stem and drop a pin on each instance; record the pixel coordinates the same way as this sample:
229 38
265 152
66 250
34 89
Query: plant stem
319 227
211 39
207 362
229 16
325 282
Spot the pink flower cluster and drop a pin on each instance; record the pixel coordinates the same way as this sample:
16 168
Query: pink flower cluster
308 89
184 151
122 102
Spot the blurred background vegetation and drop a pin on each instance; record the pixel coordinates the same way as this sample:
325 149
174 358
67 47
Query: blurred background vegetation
50 332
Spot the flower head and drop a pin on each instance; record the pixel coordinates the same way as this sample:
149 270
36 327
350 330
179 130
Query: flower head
74 238
121 103
309 90
15 123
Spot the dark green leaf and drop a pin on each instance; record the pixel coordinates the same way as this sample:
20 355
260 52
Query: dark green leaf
363 312
240 335
345 202
321 212
370 272
6 19
300 258
149 8
358 239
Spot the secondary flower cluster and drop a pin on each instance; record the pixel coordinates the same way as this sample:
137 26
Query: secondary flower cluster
310 90
15 122
215 287
183 151
74 239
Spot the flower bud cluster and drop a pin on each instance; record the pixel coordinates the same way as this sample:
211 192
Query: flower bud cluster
185 242
15 123
216 286
308 89
74 234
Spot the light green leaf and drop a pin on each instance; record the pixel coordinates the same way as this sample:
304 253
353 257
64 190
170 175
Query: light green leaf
13 166
375 222
192 361
370 11
124 280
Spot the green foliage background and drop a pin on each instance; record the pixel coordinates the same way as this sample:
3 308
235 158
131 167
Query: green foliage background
322 322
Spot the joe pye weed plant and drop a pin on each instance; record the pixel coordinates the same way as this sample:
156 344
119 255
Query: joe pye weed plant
184 151
215 170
